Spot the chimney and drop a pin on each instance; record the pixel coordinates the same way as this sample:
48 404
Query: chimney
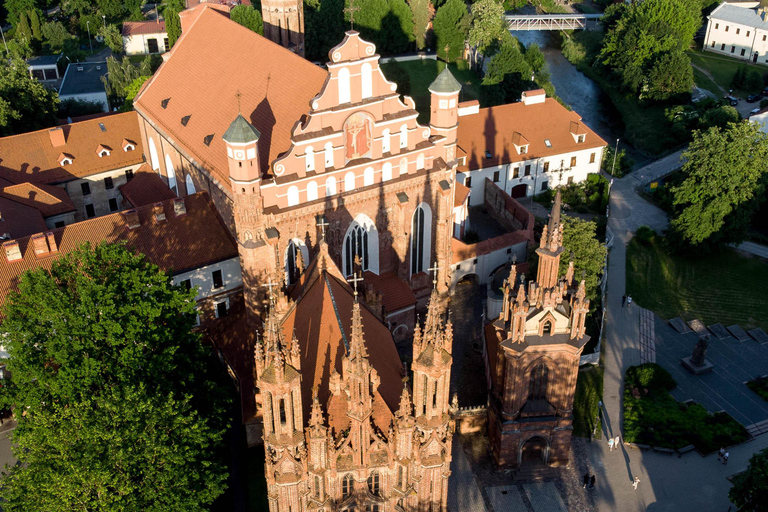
179 208
132 219
12 252
57 136
52 242
158 212
40 245
533 97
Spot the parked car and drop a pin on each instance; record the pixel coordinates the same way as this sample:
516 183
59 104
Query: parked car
752 98
765 92
754 111
731 100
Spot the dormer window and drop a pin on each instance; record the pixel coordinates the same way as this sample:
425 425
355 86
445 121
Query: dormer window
65 159
578 132
523 149
520 142
128 145
580 139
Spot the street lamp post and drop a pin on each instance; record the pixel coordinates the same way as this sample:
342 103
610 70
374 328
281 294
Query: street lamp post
104 19
88 26
615 152
7 53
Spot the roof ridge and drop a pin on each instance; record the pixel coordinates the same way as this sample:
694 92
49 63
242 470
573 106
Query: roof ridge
336 311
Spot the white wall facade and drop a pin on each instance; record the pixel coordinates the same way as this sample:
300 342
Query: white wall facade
138 44
202 278
99 195
587 161
484 265
736 40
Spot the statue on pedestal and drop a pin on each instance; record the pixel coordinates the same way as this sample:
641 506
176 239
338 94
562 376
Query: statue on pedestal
698 357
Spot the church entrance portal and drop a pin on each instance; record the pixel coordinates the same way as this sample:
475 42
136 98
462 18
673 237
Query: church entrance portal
519 191
534 450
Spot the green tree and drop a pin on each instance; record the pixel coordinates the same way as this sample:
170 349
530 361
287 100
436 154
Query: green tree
25 103
508 60
451 26
34 23
750 488
324 27
56 35
23 32
113 9
172 25
131 91
120 413
248 17
121 74
15 9
588 253
396 29
488 24
396 73
112 37
420 17
671 74
79 7
725 177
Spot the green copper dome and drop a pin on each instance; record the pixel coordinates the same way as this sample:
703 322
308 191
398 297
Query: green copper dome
241 131
445 83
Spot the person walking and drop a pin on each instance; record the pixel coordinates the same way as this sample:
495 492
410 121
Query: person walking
617 442
586 480
592 482
610 444
623 300
720 455
629 300
725 457
637 481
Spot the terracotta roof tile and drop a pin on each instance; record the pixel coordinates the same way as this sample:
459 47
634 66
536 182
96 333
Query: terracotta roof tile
276 86
146 187
462 251
176 244
461 193
32 157
134 28
19 220
396 293
49 199
495 130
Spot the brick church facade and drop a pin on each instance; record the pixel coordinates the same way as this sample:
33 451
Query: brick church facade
533 351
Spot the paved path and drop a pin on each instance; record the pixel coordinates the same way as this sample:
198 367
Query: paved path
667 483
657 169
753 248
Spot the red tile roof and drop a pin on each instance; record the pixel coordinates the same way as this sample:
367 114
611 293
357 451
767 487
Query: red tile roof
176 244
146 187
321 319
276 86
49 199
461 193
19 220
462 251
32 157
396 294
134 28
495 129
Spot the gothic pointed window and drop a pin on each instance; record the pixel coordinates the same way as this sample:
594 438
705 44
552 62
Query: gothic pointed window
357 136
537 385
547 328
347 485
291 267
421 236
356 246
373 483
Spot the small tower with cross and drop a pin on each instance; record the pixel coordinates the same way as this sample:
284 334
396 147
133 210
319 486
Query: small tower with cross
284 23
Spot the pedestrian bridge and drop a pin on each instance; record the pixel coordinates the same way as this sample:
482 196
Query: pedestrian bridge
551 21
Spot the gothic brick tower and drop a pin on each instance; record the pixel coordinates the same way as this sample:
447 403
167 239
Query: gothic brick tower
284 23
533 352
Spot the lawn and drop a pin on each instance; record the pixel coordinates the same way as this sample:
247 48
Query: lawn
720 287
721 69
589 391
653 417
423 72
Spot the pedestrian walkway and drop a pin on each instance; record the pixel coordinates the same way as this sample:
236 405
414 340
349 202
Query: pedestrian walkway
753 248
658 168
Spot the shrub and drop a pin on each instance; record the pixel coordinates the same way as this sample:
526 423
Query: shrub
462 65
650 376
759 386
645 234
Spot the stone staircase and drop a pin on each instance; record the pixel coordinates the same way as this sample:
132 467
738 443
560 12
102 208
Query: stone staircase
757 429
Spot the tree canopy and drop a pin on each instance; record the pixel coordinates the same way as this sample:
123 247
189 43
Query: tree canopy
25 103
750 488
248 17
120 413
172 24
324 27
451 26
421 14
726 171
588 253
488 25
112 38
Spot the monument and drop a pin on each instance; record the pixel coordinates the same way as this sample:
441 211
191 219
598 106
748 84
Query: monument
697 362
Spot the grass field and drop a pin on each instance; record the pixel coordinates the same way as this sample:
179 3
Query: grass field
423 72
721 69
722 287
589 391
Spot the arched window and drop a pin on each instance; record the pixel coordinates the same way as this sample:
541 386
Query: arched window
309 156
296 260
386 172
349 181
425 391
367 79
403 166
361 241
153 159
190 184
386 139
270 413
421 237
347 486
282 412
373 483
368 176
537 386
171 173
403 137
328 155
344 94
293 195
330 187
311 191
547 327
317 487
420 162
400 476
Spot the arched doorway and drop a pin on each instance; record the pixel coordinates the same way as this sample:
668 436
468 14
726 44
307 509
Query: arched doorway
519 191
533 450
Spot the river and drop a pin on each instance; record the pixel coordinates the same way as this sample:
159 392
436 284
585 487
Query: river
574 88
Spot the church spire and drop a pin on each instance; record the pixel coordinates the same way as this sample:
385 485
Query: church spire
550 249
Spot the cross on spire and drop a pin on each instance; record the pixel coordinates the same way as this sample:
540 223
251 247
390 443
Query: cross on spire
322 224
351 10
434 270
354 280
270 285
238 95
